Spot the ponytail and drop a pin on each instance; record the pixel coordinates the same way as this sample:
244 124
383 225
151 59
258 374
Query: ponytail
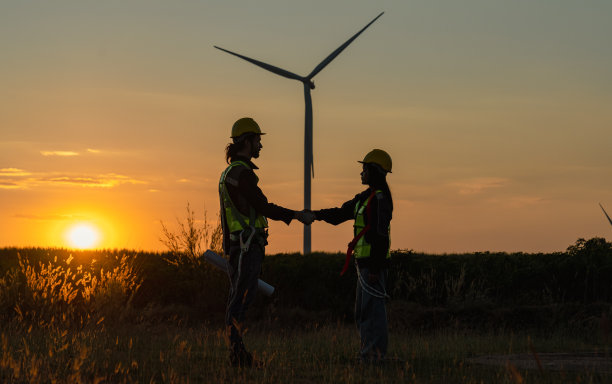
236 146
231 150
387 191
378 180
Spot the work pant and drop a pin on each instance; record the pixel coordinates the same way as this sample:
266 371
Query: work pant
243 285
371 316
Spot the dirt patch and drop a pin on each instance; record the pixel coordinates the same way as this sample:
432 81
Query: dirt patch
582 361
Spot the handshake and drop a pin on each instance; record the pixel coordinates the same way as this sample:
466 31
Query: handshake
306 216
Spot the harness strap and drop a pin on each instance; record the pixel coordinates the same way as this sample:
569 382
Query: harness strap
353 243
235 211
372 291
248 230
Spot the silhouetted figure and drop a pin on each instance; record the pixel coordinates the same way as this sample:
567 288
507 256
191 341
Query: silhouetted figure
371 211
244 213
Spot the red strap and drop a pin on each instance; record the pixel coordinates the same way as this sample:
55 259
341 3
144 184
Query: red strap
351 245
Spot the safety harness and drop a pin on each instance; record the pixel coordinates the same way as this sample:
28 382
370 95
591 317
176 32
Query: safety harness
349 252
248 231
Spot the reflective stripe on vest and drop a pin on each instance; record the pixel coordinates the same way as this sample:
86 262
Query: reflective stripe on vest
363 248
230 210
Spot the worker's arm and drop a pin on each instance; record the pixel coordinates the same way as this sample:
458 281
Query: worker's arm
255 197
339 215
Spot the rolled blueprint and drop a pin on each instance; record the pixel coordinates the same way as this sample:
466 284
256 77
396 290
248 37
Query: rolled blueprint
221 263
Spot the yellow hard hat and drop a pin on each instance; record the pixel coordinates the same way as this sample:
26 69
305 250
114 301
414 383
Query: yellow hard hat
245 125
380 157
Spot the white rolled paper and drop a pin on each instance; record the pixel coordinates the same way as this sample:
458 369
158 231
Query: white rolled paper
220 263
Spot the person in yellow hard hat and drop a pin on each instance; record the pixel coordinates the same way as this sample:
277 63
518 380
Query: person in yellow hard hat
371 211
245 211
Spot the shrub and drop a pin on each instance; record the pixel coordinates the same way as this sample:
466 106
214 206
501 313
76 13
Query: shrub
57 285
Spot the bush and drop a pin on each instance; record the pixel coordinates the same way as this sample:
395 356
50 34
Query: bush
77 287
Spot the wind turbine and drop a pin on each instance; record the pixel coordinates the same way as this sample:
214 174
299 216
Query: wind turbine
605 213
308 85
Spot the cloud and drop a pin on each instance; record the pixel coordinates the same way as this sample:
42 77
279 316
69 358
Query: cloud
33 217
81 181
479 184
70 153
8 185
59 153
14 178
519 201
13 172
101 181
11 178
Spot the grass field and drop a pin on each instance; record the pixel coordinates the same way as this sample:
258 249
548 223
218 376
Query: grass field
126 317
165 353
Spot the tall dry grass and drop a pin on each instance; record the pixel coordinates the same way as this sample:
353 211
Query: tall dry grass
56 292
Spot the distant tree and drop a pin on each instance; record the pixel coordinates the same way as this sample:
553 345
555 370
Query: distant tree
592 264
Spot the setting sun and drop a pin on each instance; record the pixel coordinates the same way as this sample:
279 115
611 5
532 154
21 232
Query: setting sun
83 236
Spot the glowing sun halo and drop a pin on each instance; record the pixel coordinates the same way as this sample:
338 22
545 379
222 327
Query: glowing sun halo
83 236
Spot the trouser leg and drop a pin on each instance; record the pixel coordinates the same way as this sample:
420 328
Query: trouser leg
371 317
243 279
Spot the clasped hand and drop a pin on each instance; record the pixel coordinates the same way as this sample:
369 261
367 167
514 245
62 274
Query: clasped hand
306 216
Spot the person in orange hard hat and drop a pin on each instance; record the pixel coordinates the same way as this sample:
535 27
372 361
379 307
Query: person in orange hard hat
245 211
371 211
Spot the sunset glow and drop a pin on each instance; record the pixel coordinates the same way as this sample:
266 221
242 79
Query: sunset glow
496 115
83 236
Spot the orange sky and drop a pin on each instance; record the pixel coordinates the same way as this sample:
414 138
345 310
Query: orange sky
496 115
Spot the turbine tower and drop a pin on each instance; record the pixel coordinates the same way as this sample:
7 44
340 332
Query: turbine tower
308 85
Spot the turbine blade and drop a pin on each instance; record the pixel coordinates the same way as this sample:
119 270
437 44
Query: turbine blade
271 68
605 213
335 53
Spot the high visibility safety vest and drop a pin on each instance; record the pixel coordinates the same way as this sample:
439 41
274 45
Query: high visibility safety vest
362 248
235 220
